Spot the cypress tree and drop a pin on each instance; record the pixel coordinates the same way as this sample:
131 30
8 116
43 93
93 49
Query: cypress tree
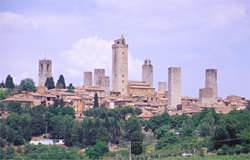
50 83
9 82
61 82
96 103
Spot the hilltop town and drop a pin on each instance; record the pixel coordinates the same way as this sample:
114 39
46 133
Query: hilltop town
124 92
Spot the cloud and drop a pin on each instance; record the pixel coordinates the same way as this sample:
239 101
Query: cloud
13 20
94 52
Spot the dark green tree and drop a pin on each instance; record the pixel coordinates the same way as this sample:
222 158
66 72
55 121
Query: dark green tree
136 142
2 85
96 102
132 125
50 84
9 83
97 150
70 88
40 117
61 82
27 85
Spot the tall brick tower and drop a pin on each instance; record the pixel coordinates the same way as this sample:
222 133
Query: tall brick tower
45 71
120 66
147 72
174 87
211 80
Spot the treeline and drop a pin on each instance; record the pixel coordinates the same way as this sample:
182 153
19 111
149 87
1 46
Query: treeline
99 128
28 84
24 122
42 152
224 134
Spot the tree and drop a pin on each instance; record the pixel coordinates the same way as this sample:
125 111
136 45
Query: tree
132 125
2 94
96 103
27 85
61 82
98 150
58 126
9 82
39 120
50 83
2 85
70 88
136 142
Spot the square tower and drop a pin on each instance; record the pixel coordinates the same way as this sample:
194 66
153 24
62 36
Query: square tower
174 87
45 71
120 66
99 74
88 78
211 81
147 72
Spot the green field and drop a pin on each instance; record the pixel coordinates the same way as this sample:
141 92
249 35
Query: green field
227 157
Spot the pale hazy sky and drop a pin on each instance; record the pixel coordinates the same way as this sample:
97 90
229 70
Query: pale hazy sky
77 36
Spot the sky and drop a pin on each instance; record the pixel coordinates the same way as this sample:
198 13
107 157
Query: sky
77 36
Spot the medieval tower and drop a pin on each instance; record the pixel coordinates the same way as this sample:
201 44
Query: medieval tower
211 80
147 72
174 87
99 74
120 66
208 95
45 71
87 78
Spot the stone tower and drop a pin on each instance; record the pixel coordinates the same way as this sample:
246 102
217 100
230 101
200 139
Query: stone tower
162 87
99 74
174 87
206 96
147 72
88 78
107 84
45 71
120 66
211 81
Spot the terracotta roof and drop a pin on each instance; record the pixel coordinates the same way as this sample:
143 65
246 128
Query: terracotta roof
146 114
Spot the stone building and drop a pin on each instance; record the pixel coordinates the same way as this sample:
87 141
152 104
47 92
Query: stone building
162 87
140 89
206 96
147 72
99 74
174 87
45 71
88 78
120 66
